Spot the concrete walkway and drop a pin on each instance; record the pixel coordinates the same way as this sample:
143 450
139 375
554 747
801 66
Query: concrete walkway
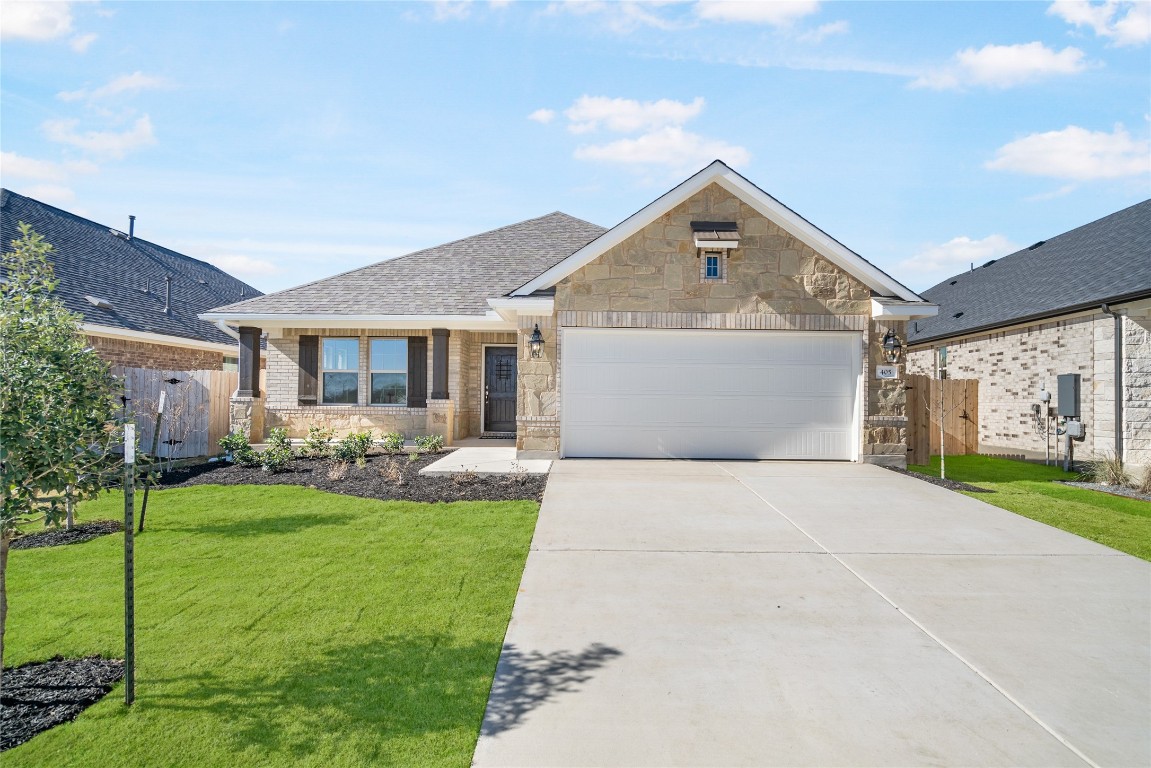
486 460
730 613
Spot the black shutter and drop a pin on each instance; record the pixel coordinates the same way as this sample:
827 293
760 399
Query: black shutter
309 369
417 371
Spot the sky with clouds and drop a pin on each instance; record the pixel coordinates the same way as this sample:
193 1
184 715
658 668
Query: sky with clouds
285 142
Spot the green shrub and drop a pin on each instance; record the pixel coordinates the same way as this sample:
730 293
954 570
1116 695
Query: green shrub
1144 484
354 447
430 443
318 443
392 442
239 450
275 458
278 438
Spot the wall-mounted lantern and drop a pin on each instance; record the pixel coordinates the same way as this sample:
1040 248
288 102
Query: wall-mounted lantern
536 341
892 348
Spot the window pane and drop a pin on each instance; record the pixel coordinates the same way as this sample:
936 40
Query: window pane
712 266
389 389
341 354
340 388
389 354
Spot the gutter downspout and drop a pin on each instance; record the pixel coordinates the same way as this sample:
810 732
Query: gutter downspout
224 327
1118 378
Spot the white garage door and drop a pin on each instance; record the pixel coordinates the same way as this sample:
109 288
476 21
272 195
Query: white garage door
709 394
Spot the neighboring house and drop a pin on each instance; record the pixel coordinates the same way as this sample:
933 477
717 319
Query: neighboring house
1073 304
715 322
139 301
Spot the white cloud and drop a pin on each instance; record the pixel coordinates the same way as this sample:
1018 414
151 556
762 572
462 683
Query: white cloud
247 268
451 10
80 43
101 143
39 21
936 262
1003 66
590 113
823 31
133 83
1124 23
619 17
1076 153
17 166
777 13
670 147
544 116
53 194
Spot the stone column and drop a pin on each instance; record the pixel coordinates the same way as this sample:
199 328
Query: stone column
439 364
885 422
249 362
442 419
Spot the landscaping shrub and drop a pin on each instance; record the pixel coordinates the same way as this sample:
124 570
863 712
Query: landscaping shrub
354 447
239 450
338 470
393 472
318 443
392 442
1105 469
278 438
276 458
430 443
464 477
1144 484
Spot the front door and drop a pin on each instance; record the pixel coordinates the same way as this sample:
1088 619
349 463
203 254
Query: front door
499 389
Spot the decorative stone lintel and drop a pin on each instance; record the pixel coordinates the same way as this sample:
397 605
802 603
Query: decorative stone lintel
441 419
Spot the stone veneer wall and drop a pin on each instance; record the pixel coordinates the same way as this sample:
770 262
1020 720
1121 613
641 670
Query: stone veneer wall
163 357
1011 366
653 280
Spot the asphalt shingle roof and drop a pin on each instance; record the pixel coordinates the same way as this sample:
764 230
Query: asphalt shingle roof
1102 262
90 261
456 278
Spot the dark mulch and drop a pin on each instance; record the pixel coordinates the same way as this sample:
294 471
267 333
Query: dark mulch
951 485
376 480
55 537
43 694
1114 490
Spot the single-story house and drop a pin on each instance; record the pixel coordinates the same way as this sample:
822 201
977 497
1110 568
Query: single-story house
1078 303
139 301
714 323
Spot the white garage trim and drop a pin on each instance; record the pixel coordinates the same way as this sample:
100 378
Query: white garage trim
680 393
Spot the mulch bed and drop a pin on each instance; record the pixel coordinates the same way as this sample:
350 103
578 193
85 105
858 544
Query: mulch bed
390 478
1114 490
951 485
43 694
80 532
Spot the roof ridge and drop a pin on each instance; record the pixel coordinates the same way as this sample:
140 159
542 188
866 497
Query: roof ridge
8 194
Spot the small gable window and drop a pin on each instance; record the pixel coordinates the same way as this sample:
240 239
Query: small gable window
340 371
711 267
389 371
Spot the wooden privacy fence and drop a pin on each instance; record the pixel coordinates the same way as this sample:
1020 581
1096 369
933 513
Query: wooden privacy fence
196 414
960 417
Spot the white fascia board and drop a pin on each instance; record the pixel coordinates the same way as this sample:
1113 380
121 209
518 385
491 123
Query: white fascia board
490 321
510 308
894 309
716 245
717 172
108 332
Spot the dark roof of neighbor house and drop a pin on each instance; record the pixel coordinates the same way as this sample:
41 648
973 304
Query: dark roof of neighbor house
89 260
1106 261
456 278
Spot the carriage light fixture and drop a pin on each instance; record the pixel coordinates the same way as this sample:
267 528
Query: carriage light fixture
892 348
536 341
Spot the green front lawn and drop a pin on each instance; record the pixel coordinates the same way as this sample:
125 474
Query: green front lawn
1027 489
278 626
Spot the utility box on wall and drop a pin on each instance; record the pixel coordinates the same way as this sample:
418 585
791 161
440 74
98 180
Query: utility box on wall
1068 404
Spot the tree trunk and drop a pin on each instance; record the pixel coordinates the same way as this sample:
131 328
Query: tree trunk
70 508
5 537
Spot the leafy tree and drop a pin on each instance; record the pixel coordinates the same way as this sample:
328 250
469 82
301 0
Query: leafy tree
57 401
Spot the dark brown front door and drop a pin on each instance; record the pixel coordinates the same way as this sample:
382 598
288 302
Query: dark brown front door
499 389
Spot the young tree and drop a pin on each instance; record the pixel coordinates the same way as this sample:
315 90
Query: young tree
57 401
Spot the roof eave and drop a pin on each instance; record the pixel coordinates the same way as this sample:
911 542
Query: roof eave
489 321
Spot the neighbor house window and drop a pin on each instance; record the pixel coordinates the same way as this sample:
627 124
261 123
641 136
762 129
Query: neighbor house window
340 371
389 371
231 363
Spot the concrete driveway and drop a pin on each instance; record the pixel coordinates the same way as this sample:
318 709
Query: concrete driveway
729 613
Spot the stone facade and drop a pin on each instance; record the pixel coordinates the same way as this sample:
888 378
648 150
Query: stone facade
162 357
772 281
457 417
1013 364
